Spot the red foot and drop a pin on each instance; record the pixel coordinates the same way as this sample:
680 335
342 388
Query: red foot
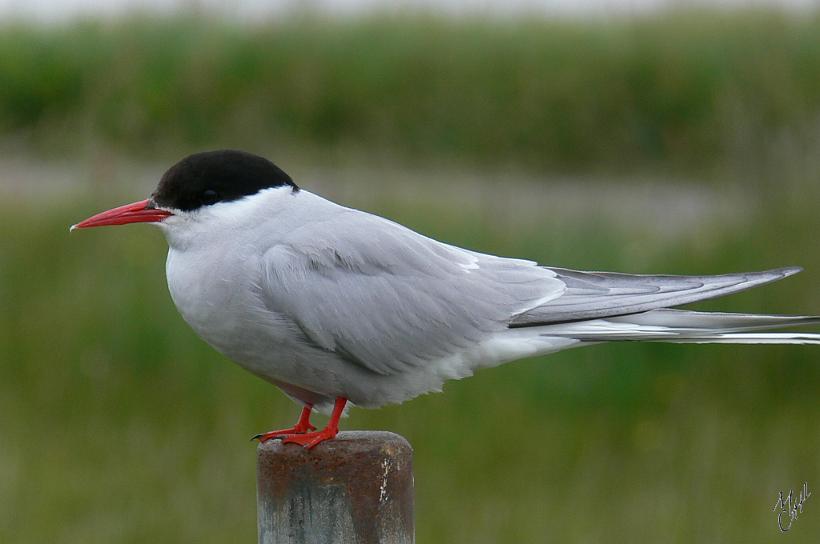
310 440
302 426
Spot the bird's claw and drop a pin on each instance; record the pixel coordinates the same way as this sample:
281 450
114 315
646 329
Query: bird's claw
305 434
309 440
295 430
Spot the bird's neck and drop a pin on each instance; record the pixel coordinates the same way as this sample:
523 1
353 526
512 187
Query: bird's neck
256 216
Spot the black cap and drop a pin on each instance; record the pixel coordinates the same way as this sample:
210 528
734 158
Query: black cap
206 178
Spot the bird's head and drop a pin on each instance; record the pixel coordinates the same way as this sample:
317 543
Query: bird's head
196 189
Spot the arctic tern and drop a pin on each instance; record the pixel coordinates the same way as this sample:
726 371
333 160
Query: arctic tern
334 305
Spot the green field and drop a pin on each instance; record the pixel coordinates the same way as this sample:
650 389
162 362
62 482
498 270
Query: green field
117 424
680 91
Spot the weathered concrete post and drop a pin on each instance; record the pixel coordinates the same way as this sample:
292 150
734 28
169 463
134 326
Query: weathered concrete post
357 488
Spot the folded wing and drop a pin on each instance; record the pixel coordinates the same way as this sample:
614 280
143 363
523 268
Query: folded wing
388 299
594 295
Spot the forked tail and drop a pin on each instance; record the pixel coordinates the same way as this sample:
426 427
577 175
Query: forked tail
681 326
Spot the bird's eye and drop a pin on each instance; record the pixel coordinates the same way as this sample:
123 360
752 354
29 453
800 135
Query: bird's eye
209 196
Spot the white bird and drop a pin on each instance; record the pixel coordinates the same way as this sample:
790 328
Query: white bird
336 305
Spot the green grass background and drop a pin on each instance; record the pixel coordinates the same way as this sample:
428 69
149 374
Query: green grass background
682 90
117 424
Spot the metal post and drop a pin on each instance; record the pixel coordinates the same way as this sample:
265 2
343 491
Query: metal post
356 488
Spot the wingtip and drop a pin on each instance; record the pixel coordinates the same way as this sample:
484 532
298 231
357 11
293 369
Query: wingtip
790 270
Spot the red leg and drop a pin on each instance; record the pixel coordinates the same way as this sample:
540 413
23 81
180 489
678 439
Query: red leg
302 426
310 440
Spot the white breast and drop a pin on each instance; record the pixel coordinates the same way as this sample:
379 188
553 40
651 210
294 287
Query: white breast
213 271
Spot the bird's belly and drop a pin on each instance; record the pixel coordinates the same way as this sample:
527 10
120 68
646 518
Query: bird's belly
225 312
228 314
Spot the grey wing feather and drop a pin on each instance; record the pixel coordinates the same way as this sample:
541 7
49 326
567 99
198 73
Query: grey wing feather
388 299
593 295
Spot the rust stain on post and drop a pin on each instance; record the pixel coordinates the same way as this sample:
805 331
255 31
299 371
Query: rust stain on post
357 488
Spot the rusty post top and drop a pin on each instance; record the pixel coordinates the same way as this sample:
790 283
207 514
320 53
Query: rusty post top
345 443
357 487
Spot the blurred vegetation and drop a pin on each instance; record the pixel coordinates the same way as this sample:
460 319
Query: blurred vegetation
686 91
117 424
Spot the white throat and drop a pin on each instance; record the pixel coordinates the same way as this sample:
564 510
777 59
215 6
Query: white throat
233 221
